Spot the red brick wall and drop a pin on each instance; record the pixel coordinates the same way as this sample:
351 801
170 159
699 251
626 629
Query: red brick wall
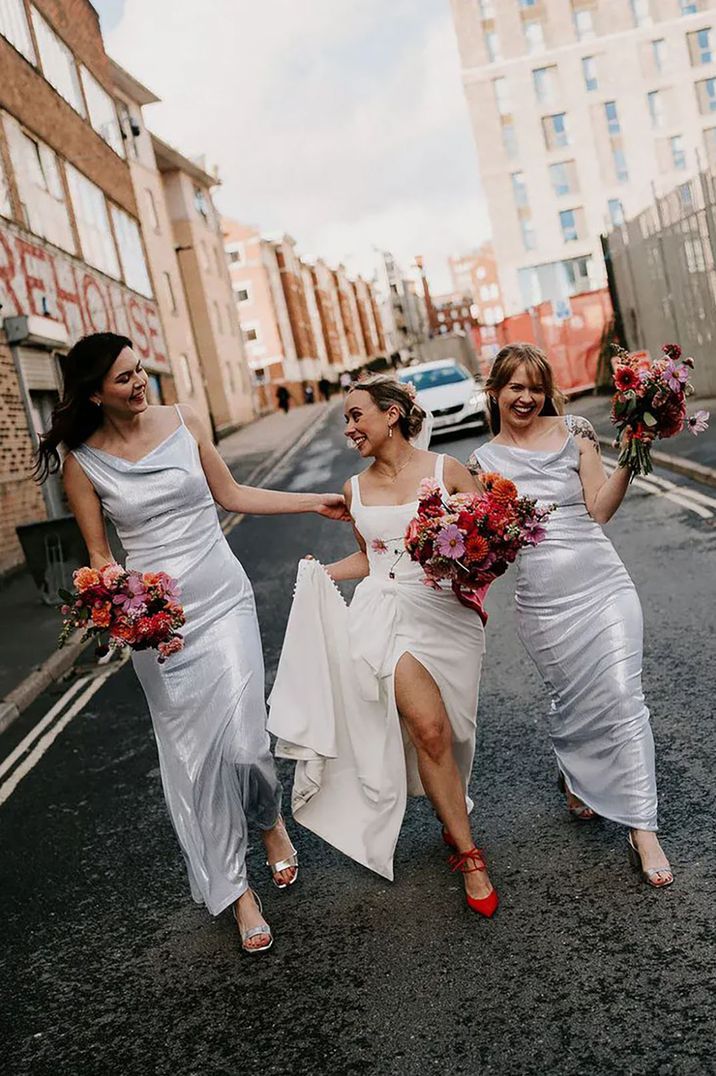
328 322
26 94
378 322
297 309
21 499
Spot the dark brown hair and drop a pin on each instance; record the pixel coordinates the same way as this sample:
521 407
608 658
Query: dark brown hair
387 392
75 418
506 362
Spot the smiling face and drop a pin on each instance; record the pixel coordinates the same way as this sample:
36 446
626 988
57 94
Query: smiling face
124 388
366 425
522 399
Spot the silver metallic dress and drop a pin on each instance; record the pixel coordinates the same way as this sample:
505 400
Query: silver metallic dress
580 620
206 702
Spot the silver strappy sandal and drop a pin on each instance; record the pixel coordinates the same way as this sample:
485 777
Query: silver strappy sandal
284 865
648 873
253 932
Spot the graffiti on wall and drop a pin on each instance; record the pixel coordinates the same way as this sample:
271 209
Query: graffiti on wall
40 280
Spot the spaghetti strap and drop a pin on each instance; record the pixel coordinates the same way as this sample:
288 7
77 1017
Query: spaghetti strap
439 468
181 417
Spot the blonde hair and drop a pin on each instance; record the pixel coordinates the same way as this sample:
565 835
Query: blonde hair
386 392
506 362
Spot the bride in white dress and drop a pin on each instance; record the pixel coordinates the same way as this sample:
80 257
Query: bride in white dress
408 690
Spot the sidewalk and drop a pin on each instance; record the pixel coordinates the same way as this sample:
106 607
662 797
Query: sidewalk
29 659
694 457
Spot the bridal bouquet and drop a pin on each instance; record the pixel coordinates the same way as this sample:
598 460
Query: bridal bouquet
650 402
472 538
140 610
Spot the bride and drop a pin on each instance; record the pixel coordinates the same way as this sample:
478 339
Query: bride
409 684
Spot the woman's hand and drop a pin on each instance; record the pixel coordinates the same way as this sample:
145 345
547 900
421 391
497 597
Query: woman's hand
332 506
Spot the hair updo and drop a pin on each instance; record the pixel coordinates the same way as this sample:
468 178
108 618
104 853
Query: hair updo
386 392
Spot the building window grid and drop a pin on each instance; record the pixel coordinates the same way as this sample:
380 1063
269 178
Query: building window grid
42 194
641 12
58 63
589 73
568 224
492 44
710 144
92 218
15 29
659 53
102 112
534 35
563 179
700 48
545 84
706 92
583 20
612 117
678 152
556 133
655 101
688 7
185 368
616 211
131 252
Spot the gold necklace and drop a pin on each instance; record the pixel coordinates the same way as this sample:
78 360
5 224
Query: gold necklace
402 467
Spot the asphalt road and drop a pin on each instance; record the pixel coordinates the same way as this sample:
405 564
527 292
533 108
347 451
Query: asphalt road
108 967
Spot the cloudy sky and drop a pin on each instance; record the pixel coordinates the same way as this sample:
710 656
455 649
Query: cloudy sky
342 122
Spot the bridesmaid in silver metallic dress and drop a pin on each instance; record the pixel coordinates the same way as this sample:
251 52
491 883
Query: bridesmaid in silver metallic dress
155 472
578 613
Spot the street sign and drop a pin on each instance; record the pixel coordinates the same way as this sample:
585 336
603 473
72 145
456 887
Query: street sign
561 310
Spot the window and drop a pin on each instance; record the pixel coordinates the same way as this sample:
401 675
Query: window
678 152
612 116
58 63
129 129
616 211
568 224
545 84
563 177
686 196
519 189
502 96
13 26
700 49
529 240
641 12
39 184
201 203
251 334
169 291
553 280
152 208
492 44
102 113
528 3
185 369
487 9
688 7
583 24
235 253
555 130
706 95
620 166
534 35
659 53
241 292
589 72
710 145
131 252
509 139
92 220
655 100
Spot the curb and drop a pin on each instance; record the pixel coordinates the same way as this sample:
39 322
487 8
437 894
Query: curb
698 472
22 696
61 661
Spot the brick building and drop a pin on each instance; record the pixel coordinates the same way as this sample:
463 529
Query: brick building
72 259
199 244
475 275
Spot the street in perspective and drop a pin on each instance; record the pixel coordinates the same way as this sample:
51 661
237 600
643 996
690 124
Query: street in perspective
245 258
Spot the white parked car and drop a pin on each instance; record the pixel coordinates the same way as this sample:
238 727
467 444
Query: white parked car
453 395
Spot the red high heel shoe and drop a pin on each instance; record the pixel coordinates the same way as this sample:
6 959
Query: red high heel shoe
467 862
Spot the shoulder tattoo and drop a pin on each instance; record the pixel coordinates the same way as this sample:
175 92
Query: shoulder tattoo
473 465
581 427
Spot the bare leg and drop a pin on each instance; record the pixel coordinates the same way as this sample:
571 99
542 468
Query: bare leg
422 710
248 915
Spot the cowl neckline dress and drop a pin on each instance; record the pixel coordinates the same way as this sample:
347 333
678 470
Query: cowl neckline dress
207 701
580 620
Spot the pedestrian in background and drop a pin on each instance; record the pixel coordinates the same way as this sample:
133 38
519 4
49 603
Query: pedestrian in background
309 395
324 387
345 380
156 473
283 398
578 613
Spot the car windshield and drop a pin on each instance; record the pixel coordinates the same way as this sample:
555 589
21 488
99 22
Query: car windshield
438 375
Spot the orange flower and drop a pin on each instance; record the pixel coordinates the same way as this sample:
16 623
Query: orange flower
84 578
503 490
102 615
126 632
489 478
151 579
477 547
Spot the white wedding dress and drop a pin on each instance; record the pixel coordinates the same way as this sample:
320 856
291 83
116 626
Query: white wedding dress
333 702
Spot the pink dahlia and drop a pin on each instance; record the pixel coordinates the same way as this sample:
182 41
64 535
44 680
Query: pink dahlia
698 422
450 542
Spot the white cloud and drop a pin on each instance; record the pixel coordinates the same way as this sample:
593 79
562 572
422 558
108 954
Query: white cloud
341 122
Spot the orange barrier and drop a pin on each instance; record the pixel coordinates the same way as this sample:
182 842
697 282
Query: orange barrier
572 343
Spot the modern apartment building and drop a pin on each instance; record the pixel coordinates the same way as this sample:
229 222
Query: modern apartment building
580 109
72 259
199 245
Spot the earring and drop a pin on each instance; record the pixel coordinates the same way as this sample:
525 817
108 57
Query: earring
390 430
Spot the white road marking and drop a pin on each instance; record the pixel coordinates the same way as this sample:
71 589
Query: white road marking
7 789
34 732
693 500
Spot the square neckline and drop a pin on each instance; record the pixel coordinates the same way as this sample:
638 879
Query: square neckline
437 474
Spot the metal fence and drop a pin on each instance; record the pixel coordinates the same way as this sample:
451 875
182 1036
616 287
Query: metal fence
663 274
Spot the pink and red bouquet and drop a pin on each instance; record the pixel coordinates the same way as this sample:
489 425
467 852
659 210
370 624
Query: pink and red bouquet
650 402
472 538
140 610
